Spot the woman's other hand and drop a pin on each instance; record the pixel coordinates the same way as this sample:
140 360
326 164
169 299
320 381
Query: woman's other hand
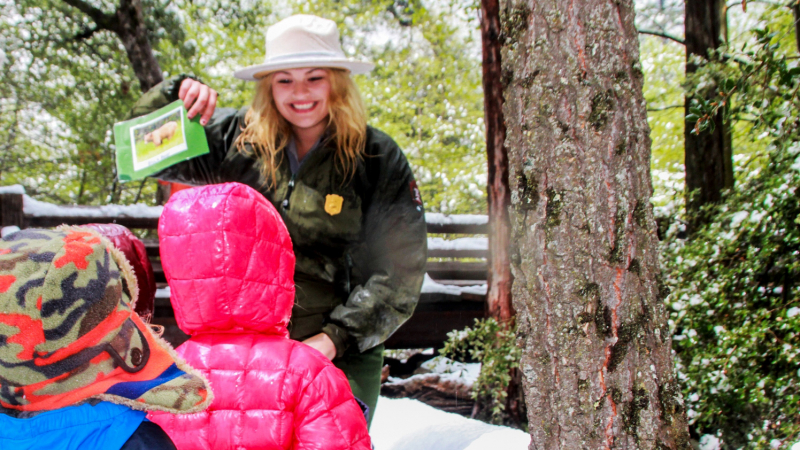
198 99
323 344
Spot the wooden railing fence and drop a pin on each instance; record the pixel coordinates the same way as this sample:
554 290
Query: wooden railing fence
442 306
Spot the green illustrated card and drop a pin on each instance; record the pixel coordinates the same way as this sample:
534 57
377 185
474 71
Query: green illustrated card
148 144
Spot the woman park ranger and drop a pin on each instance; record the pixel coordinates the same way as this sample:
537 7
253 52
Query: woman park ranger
344 189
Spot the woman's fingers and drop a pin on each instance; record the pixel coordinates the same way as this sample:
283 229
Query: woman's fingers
198 99
210 106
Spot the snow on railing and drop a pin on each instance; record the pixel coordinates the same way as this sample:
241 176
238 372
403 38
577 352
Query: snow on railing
436 222
36 208
456 219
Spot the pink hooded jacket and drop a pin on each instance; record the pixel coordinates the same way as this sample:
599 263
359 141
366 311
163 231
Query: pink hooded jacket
229 263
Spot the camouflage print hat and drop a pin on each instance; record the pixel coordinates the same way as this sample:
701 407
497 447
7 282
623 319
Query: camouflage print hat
68 333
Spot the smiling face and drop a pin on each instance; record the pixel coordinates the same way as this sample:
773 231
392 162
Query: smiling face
301 96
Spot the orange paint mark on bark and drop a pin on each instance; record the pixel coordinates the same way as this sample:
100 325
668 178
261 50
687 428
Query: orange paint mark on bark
578 35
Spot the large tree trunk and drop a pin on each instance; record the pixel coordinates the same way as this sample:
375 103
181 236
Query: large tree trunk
597 365
708 156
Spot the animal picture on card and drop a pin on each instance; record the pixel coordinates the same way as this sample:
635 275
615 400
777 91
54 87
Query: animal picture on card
157 140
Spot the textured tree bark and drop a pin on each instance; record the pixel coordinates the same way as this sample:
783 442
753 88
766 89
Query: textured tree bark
597 365
708 156
796 12
499 279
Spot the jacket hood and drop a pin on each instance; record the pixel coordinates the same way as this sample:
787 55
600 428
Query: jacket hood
228 260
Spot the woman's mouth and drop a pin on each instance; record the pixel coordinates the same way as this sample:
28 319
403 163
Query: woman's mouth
302 107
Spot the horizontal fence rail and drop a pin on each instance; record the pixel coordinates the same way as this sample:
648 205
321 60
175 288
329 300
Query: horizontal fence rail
453 294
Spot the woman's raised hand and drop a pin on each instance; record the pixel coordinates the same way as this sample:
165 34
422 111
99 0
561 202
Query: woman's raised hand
198 99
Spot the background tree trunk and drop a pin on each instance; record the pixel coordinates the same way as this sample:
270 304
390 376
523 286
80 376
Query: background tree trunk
499 196
597 365
708 156
796 12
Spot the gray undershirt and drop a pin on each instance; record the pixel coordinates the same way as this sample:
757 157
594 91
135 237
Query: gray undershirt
291 152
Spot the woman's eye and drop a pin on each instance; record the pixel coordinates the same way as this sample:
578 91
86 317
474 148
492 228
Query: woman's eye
284 80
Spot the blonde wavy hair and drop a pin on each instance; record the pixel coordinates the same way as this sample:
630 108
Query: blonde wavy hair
268 132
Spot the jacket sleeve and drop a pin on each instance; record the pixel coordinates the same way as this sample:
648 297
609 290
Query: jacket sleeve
393 255
223 163
328 417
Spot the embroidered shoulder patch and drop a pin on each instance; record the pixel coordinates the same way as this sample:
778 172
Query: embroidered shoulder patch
415 195
333 204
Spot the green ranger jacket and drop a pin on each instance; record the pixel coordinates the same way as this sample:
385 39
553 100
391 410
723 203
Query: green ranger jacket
359 266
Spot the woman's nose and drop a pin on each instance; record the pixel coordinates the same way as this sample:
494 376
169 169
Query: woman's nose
301 88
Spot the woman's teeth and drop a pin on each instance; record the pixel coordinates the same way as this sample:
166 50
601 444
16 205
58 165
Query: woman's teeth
303 106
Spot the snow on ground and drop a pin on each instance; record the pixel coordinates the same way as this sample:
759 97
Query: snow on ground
404 424
465 373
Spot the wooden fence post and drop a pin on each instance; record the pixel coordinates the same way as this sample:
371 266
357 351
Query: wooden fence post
11 210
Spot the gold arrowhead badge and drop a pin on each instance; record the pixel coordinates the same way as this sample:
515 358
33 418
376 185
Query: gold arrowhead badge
333 204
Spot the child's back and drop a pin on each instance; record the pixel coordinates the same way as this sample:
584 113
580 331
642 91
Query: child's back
229 262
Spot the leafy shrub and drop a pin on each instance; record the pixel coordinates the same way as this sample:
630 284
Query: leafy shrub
735 296
494 346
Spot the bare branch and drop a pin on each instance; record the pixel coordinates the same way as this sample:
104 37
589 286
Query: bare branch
664 108
663 35
103 20
85 34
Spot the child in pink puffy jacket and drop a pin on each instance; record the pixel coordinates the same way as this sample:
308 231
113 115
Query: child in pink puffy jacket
229 263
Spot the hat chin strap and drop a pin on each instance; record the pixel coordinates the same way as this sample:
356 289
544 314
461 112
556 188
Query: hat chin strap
145 351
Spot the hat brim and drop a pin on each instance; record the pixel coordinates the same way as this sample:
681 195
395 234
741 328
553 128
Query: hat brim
258 71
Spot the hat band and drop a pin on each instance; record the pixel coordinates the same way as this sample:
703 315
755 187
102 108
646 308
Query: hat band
304 55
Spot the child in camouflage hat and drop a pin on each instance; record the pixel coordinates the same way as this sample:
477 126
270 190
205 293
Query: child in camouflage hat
78 368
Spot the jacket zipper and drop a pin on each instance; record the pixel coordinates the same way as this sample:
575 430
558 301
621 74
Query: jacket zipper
285 202
349 266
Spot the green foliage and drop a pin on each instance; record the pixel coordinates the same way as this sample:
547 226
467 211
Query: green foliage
735 297
494 346
663 66
68 84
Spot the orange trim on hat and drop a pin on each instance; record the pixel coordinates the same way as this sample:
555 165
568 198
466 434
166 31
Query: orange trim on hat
105 327
160 360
